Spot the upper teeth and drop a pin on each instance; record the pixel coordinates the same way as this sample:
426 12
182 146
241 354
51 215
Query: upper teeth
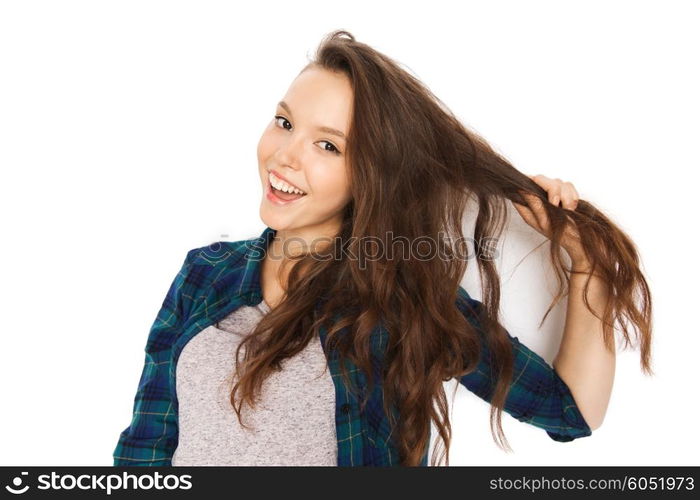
277 183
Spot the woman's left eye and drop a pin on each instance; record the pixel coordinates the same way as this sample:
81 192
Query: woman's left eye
335 150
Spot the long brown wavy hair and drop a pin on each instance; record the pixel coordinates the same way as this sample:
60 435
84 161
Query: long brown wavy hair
413 169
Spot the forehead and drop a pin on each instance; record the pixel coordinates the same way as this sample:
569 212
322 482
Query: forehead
321 97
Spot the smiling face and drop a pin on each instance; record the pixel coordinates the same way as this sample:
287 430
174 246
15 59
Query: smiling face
300 146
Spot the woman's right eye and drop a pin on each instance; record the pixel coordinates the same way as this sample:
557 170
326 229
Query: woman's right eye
283 118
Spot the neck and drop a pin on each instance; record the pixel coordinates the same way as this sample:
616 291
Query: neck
296 241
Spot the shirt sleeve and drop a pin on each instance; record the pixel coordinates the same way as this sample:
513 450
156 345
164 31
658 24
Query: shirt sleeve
537 396
152 436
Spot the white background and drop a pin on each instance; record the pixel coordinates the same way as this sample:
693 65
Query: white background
128 135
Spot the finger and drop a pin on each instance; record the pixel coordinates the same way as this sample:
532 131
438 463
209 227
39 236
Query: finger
543 181
527 216
569 196
551 186
537 207
554 196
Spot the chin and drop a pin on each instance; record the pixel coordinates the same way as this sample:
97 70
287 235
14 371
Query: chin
273 222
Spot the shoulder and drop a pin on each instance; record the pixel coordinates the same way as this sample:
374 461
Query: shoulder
209 263
219 254
466 304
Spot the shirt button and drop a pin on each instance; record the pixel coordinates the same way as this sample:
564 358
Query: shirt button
345 408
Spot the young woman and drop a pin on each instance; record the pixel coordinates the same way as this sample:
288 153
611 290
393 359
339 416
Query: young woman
320 343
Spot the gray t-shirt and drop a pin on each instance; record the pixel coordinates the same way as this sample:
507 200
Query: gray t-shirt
293 422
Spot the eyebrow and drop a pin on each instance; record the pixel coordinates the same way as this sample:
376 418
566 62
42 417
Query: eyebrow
328 130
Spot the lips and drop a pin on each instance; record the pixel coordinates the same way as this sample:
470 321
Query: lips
279 176
276 200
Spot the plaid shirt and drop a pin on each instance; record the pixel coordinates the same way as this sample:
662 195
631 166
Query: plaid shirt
217 279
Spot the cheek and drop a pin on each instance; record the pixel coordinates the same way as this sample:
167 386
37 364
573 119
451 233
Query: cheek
262 147
331 183
265 146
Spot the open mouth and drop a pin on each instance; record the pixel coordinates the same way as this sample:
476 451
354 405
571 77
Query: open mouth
280 196
284 192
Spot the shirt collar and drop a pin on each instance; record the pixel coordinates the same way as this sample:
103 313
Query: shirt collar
256 249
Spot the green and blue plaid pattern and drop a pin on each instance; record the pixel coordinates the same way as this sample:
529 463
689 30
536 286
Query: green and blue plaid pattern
217 279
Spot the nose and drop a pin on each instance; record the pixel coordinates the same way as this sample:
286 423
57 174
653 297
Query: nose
290 152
